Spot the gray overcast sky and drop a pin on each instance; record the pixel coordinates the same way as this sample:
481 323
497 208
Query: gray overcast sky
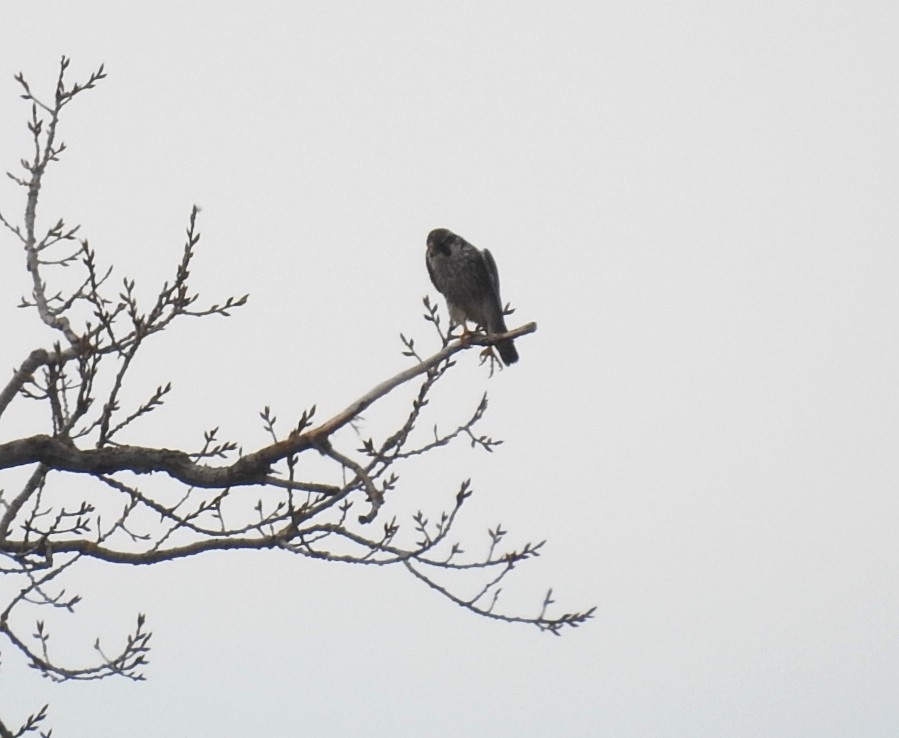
696 201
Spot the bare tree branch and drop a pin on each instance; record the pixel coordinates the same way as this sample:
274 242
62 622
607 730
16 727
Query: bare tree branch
62 454
145 504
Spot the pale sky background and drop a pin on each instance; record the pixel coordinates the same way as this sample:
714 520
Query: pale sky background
696 201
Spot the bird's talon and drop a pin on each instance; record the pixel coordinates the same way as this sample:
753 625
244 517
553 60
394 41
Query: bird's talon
464 337
488 353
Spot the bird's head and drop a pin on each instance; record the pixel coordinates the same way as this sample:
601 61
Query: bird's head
440 240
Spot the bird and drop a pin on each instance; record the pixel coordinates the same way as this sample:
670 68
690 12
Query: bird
467 277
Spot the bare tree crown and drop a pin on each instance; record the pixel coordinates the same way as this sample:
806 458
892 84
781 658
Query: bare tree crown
160 504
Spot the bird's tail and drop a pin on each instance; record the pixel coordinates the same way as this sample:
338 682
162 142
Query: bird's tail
507 351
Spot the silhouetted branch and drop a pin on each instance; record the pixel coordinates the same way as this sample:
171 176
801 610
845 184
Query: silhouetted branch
145 504
62 454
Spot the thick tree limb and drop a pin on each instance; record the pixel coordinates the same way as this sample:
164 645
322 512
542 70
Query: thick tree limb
62 454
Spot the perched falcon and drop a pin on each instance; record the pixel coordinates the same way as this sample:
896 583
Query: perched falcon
468 279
